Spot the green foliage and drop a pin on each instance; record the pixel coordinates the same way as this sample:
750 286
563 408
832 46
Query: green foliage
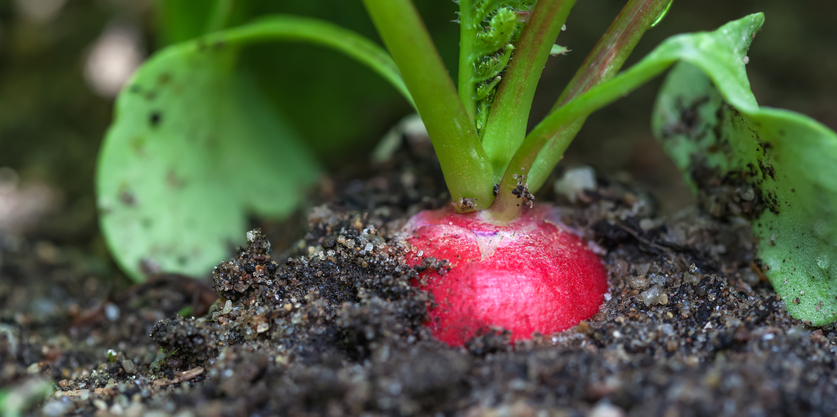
181 20
774 167
195 148
464 163
719 53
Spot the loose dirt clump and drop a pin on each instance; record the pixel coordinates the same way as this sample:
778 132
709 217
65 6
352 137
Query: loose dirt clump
305 329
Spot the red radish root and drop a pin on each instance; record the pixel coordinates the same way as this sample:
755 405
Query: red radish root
532 275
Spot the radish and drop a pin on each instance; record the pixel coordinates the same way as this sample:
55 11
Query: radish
531 275
510 264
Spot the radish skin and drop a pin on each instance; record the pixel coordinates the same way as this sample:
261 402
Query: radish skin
532 275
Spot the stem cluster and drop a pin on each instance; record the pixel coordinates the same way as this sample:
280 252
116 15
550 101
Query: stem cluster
478 130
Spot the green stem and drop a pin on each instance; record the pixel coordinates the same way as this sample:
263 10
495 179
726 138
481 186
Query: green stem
467 33
602 64
464 163
509 115
588 102
220 16
614 47
315 31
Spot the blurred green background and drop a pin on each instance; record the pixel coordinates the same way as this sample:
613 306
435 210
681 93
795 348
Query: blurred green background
54 110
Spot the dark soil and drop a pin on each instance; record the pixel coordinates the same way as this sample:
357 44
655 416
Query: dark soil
690 326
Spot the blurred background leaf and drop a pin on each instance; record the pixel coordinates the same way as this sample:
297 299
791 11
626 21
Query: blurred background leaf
194 148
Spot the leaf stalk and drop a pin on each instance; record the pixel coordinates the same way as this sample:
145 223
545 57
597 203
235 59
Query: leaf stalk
544 147
465 165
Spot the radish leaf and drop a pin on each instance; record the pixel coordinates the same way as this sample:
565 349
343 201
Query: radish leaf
195 148
773 167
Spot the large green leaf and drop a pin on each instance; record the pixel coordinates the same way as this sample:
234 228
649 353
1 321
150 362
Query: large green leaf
774 167
194 148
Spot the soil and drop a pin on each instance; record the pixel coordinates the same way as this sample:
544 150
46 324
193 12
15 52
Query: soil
333 325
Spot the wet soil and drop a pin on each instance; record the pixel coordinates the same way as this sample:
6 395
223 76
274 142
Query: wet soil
333 326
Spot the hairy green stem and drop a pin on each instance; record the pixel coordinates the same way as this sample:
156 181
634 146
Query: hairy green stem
467 32
506 127
465 165
544 147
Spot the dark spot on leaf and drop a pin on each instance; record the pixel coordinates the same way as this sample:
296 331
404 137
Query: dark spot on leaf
772 202
766 146
128 198
174 181
155 118
767 169
163 78
688 121
135 89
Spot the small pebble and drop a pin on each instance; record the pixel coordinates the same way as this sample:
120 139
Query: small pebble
129 367
227 308
606 409
690 278
651 296
101 405
112 311
638 283
575 181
